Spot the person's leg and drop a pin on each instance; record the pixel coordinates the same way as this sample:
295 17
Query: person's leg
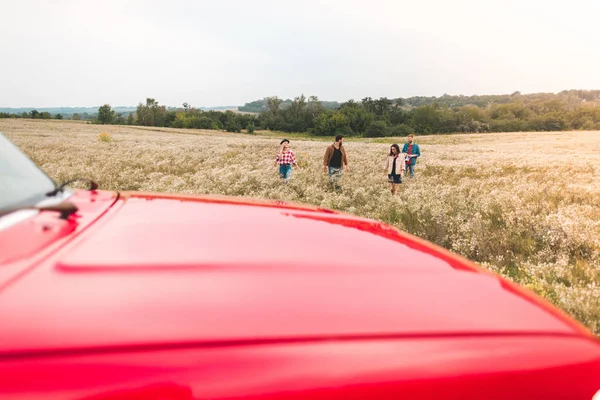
339 174
282 171
335 175
288 174
411 167
397 182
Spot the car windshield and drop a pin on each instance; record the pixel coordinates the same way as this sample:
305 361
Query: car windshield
22 183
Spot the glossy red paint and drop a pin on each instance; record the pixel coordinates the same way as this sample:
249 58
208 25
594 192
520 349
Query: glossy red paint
162 296
415 368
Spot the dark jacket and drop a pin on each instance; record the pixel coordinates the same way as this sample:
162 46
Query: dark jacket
329 154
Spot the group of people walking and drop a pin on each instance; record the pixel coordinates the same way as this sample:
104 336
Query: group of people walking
335 162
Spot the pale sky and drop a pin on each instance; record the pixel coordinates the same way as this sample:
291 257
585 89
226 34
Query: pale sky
64 53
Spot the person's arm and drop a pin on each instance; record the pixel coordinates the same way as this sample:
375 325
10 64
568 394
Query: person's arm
416 151
387 165
345 159
276 159
293 159
326 157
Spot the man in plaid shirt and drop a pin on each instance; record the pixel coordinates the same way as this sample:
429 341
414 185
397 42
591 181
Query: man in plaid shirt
285 158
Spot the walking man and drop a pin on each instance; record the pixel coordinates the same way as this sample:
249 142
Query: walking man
412 152
335 160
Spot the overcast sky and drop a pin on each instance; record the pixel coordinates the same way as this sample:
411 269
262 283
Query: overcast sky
210 53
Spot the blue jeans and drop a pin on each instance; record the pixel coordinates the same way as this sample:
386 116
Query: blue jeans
285 171
410 169
335 174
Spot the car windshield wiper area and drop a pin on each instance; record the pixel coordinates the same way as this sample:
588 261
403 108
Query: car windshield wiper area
64 207
61 187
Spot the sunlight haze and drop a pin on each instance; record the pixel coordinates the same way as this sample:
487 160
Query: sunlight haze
73 53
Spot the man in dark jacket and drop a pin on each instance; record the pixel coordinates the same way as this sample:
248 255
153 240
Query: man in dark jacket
335 159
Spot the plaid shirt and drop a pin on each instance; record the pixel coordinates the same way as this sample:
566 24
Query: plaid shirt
285 158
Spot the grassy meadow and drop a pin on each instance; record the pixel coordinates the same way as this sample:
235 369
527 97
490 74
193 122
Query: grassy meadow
525 205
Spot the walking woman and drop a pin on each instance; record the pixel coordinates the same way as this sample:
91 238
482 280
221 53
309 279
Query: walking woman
394 168
285 159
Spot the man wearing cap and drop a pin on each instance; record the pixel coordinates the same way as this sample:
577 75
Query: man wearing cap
335 158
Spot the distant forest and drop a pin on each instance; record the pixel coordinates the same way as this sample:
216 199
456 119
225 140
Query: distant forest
259 106
567 110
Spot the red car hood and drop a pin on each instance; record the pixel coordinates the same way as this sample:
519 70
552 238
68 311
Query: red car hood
159 271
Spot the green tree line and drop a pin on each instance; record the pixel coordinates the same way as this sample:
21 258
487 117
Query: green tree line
151 113
259 106
579 110
33 114
567 110
575 109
